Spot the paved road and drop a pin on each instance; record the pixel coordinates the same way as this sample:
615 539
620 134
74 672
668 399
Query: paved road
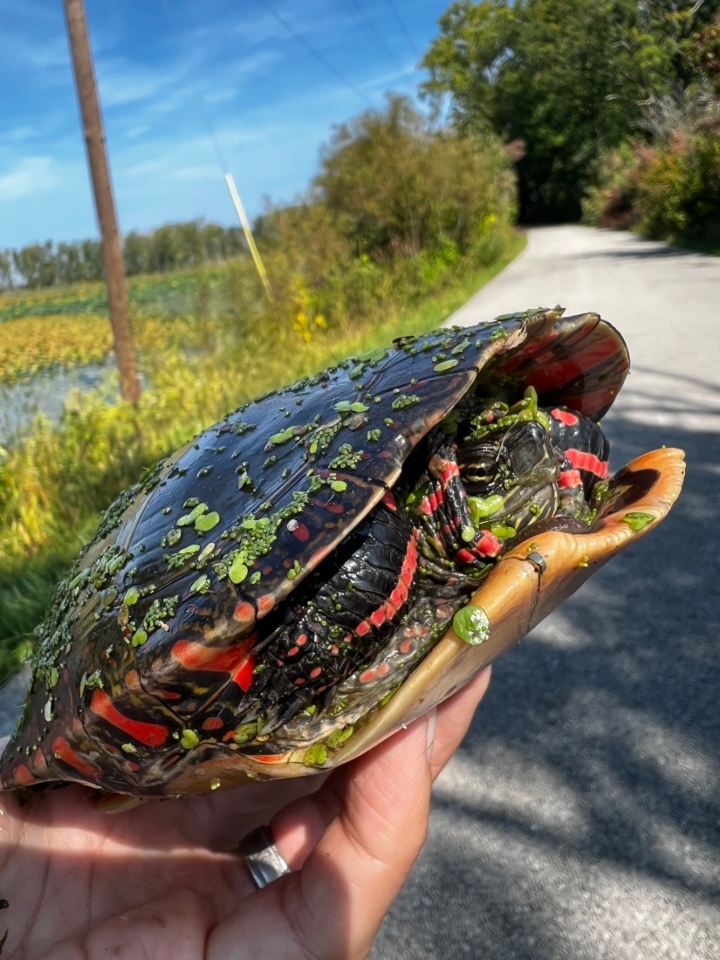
581 818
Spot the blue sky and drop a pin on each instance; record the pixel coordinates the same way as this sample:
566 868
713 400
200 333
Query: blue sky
160 64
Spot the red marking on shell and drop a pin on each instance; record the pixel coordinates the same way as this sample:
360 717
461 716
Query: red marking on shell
406 646
151 734
196 656
383 669
348 638
389 500
426 507
564 369
362 628
301 532
570 478
265 604
332 507
367 676
166 694
23 777
319 556
302 640
334 649
465 555
564 416
39 761
588 461
293 651
270 757
243 676
63 751
315 673
300 681
244 612
213 723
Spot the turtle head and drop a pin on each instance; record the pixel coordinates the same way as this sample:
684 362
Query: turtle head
511 477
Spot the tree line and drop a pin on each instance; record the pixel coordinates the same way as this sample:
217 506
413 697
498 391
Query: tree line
173 246
567 81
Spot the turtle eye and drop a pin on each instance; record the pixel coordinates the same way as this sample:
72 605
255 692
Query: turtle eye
479 471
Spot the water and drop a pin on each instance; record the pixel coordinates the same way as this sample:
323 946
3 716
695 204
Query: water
46 393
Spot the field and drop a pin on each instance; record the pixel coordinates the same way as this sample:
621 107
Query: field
207 341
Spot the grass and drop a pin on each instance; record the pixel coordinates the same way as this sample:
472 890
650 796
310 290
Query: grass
56 481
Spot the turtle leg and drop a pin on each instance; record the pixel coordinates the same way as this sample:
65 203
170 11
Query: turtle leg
448 534
584 450
340 617
583 444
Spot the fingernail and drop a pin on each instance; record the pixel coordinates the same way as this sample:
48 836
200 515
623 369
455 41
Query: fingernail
431 721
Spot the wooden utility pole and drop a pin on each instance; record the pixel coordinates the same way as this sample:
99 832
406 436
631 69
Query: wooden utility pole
104 202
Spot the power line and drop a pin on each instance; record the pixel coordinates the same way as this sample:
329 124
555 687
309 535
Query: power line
403 28
200 100
315 53
229 181
373 31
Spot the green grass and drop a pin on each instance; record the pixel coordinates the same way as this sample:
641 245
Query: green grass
57 480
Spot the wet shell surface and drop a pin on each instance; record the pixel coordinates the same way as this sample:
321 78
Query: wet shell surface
218 629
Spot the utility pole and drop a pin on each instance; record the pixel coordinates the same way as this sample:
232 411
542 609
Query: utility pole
104 202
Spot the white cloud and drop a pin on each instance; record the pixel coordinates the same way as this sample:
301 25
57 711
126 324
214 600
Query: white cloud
199 172
135 132
19 133
41 56
30 175
122 81
145 168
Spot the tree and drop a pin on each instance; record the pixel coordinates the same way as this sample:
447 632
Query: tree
68 263
567 77
35 264
399 187
93 267
6 273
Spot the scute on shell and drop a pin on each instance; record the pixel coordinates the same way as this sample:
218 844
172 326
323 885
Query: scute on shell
580 362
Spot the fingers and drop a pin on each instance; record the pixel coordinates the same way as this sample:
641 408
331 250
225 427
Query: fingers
372 817
365 828
381 807
299 826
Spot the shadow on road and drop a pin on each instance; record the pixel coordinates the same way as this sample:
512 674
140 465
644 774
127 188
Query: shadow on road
587 786
641 248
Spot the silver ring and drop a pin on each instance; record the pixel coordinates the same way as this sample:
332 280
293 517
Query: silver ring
262 857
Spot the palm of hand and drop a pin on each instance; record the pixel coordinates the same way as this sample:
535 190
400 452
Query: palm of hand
162 881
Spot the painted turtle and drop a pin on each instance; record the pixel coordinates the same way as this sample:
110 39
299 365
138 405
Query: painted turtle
279 594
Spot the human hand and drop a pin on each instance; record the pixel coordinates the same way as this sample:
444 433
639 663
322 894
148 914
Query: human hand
161 882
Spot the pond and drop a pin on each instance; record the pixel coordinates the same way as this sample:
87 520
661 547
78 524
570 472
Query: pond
46 393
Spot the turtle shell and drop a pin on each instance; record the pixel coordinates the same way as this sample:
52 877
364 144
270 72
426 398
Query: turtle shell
161 610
